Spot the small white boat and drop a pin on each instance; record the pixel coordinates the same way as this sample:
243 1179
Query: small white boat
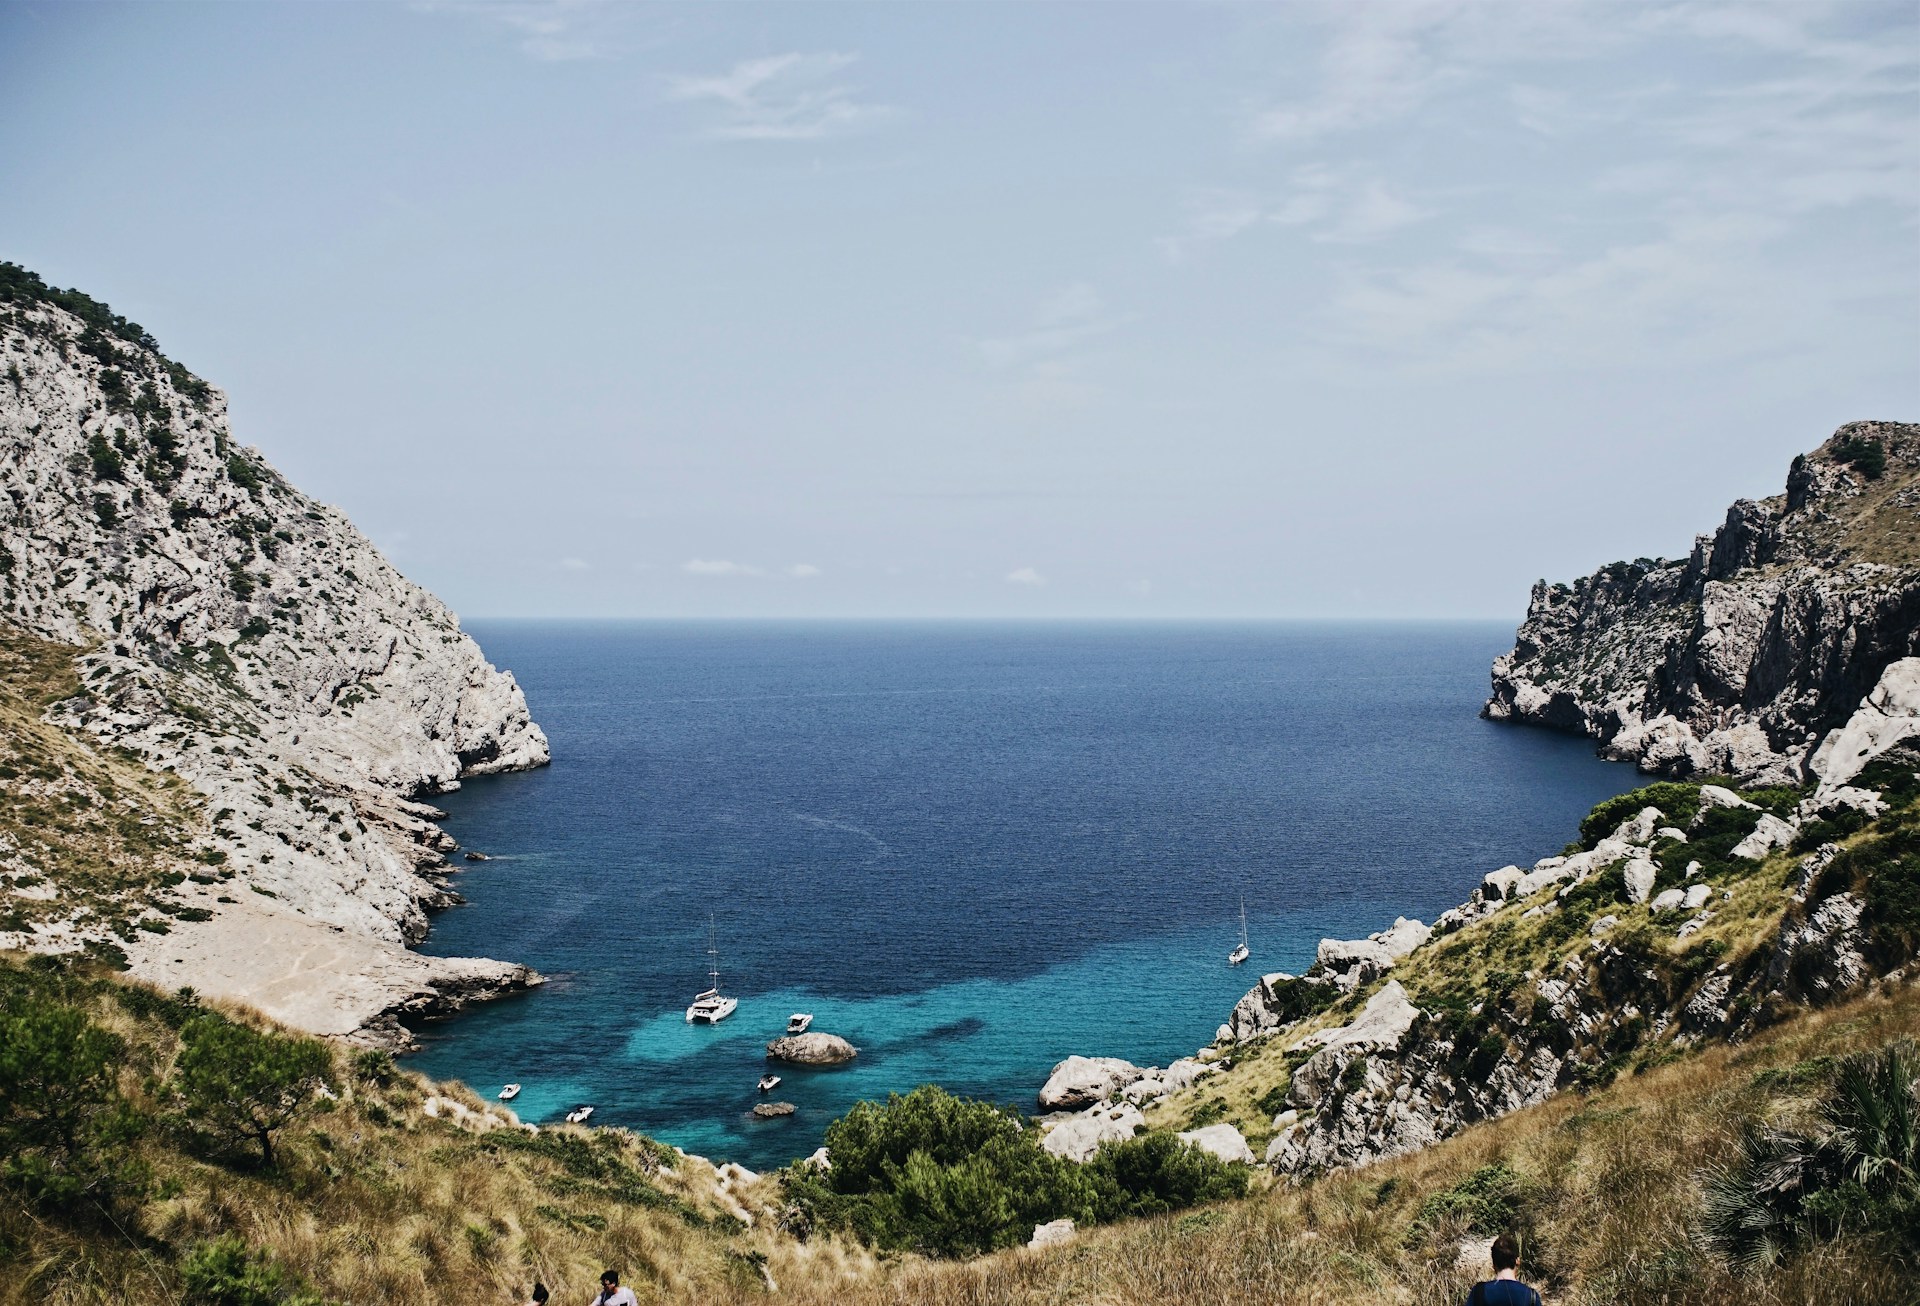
578 1116
711 1007
797 1023
510 1092
1242 952
769 1082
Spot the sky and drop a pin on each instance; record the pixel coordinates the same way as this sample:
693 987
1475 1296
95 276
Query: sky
1131 310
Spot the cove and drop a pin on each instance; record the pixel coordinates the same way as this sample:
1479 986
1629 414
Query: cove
970 848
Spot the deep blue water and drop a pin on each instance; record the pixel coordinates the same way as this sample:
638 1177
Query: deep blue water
970 848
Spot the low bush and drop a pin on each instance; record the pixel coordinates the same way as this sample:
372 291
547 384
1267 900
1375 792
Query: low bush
1855 1170
1678 802
949 1176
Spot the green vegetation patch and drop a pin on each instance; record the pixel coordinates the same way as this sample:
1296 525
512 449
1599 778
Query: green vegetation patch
950 1176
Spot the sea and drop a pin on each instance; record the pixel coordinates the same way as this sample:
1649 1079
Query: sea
970 848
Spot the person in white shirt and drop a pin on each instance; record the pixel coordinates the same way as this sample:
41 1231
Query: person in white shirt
612 1294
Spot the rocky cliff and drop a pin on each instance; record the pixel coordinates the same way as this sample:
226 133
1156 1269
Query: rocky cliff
1738 659
1784 651
236 633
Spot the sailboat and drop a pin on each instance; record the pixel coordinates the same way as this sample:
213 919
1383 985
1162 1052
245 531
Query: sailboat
1242 952
710 1008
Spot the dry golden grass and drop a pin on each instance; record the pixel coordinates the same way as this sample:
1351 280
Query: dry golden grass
376 1202
87 836
1615 1207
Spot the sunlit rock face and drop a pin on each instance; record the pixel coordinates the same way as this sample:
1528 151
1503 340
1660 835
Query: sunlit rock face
235 631
1741 658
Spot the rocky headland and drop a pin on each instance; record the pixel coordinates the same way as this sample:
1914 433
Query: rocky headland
1776 673
1740 658
228 630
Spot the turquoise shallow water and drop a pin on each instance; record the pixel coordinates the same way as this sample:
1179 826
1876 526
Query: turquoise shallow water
970 849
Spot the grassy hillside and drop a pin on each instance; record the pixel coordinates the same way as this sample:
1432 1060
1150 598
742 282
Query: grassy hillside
389 1189
90 838
1608 1187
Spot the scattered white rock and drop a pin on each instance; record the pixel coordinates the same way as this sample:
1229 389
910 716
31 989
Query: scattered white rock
1221 1140
1082 1081
1712 796
1077 1137
1672 833
1498 885
1602 925
1639 828
1053 1233
1771 832
1695 897
1639 874
1670 899
1889 715
1403 936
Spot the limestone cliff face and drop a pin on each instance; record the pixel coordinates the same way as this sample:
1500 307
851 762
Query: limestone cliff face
1738 659
236 632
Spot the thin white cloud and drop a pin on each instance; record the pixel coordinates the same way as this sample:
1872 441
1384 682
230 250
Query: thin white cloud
1025 576
719 567
551 31
1332 205
781 97
803 571
1070 316
574 564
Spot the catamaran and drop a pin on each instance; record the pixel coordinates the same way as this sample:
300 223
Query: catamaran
578 1116
710 1007
1242 952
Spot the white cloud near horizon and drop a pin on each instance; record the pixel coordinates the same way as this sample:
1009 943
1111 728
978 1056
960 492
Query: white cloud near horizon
548 31
1025 576
1069 316
719 567
803 571
783 97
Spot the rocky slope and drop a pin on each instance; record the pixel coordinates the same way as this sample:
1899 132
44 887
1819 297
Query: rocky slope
249 640
1782 652
1738 659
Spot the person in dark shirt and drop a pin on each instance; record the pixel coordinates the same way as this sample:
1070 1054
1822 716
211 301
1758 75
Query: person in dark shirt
1504 1288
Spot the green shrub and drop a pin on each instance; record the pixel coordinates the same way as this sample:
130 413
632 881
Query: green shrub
1868 457
226 1272
1856 1169
1895 775
244 1086
65 1130
1488 1201
1678 803
107 463
1159 1172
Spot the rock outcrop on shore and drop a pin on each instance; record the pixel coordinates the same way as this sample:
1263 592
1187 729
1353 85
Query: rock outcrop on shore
1738 659
249 640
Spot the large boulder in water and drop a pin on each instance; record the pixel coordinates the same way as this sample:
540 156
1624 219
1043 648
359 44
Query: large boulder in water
812 1049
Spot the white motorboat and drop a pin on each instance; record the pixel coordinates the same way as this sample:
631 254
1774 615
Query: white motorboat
1242 952
578 1116
711 1007
769 1082
797 1023
510 1092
